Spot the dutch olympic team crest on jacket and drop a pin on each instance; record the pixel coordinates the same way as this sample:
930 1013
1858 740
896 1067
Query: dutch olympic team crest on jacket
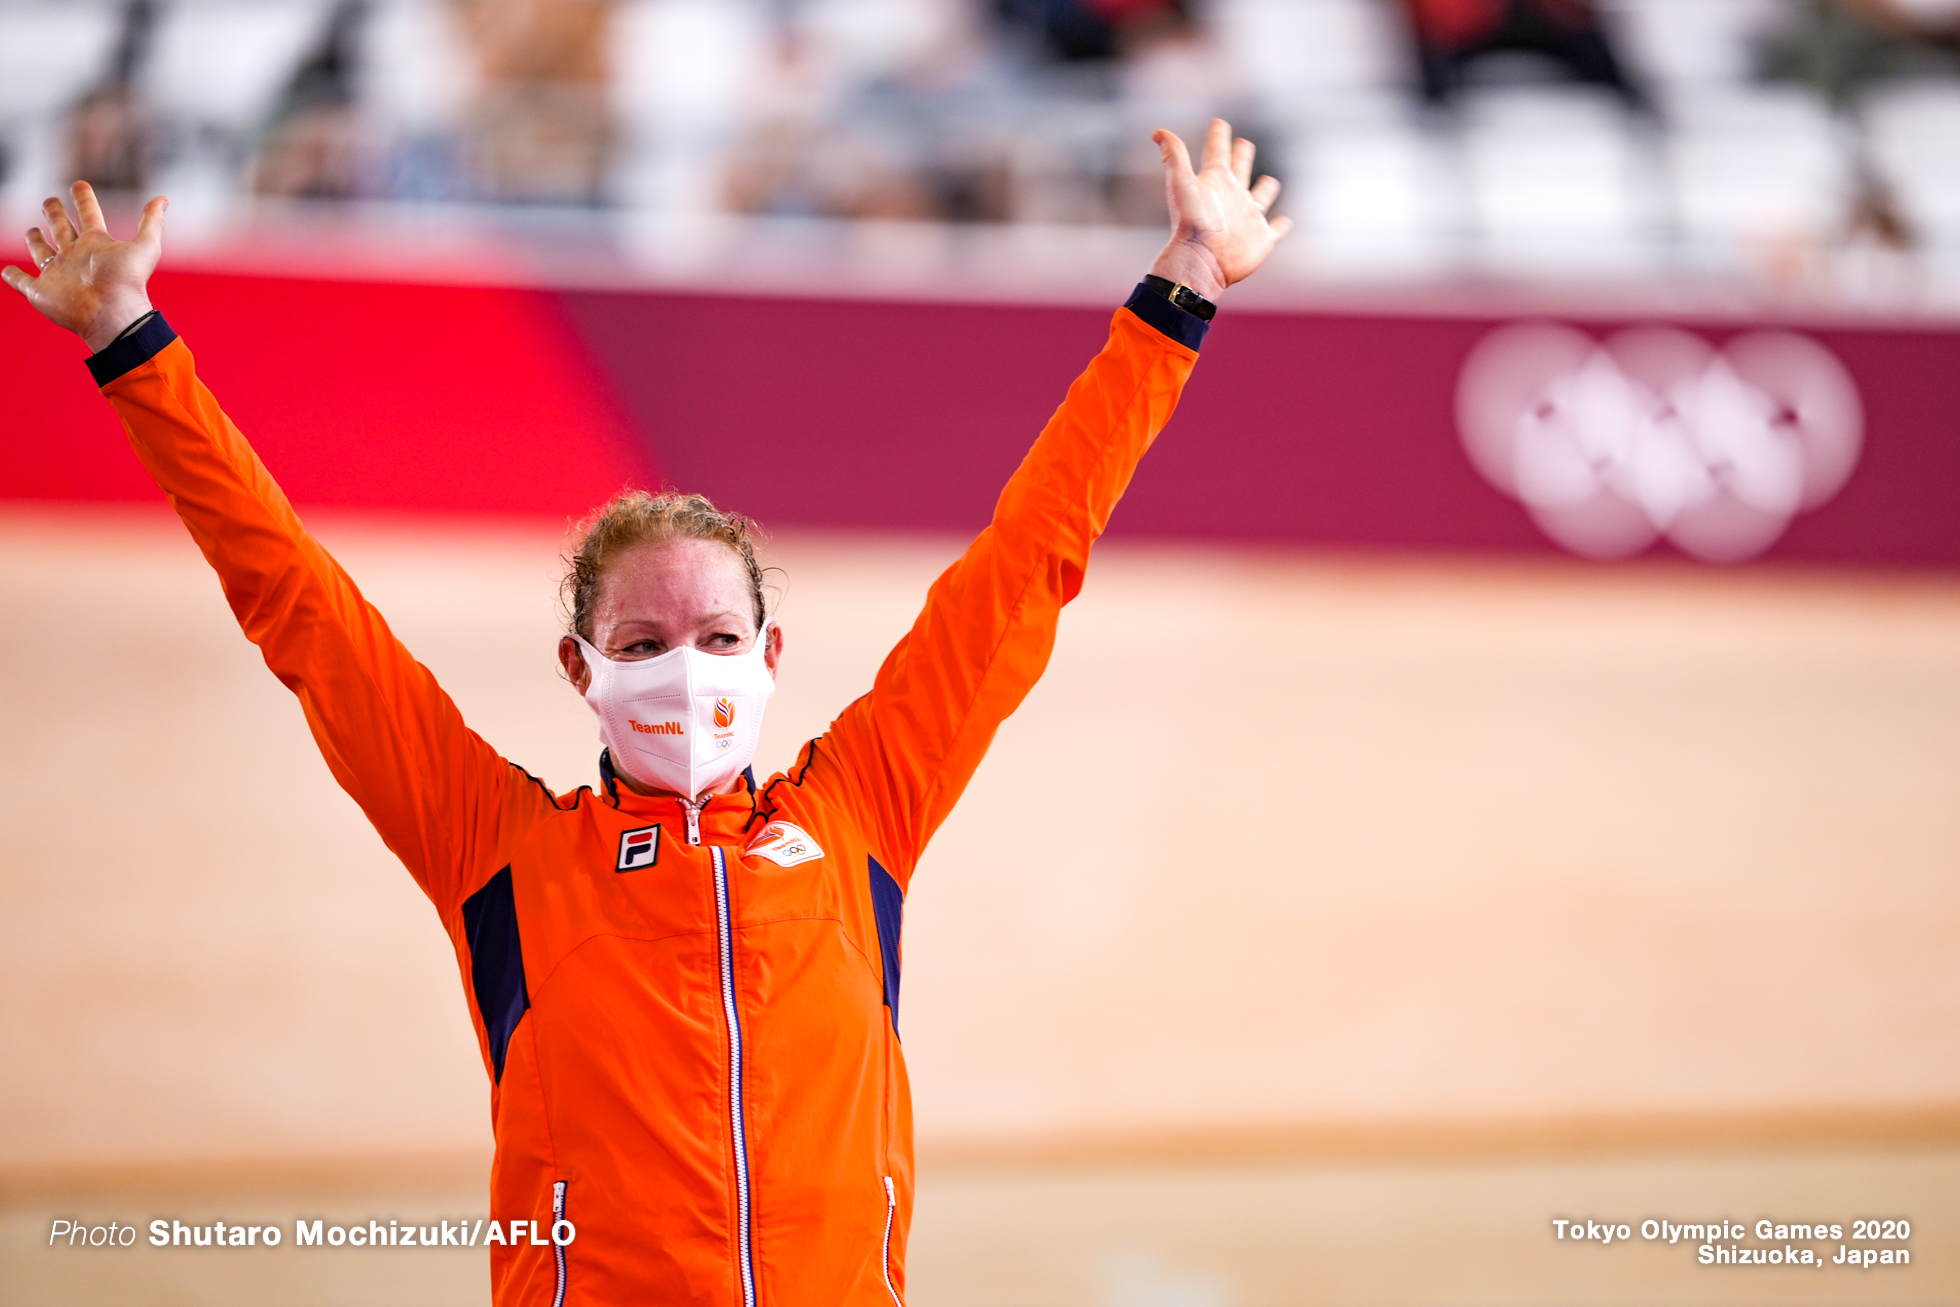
692 1047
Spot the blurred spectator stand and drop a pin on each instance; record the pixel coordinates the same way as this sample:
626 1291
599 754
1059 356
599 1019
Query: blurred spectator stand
1676 152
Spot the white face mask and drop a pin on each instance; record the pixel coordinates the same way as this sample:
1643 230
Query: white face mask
685 721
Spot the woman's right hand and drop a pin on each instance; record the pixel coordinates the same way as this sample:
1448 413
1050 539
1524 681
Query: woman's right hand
88 281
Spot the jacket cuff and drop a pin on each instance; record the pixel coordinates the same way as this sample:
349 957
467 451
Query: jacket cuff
1187 329
143 341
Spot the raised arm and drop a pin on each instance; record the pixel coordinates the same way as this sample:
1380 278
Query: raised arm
394 741
989 621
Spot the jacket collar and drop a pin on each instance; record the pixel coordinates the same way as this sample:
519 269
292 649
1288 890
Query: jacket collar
724 817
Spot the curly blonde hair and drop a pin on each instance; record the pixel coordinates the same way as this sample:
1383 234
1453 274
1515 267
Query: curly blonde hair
636 517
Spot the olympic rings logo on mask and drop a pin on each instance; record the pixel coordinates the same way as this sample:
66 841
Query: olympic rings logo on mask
1655 433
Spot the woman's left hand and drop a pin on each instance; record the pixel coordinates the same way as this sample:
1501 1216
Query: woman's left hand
1220 232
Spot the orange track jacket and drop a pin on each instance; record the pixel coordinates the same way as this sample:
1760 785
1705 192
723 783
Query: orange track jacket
692 1047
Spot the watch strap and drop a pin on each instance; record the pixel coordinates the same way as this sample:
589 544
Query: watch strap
1181 295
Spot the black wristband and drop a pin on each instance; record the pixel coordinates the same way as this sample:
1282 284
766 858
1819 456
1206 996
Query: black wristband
139 342
1181 295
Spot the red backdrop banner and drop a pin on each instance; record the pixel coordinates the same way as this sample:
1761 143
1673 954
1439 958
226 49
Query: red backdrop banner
356 395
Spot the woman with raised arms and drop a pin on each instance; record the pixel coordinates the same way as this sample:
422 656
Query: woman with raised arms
685 984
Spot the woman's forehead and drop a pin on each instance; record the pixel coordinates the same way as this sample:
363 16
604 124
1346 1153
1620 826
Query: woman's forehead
675 580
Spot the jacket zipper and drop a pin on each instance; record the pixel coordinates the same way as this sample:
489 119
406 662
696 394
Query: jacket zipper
693 811
891 1211
558 1249
734 1070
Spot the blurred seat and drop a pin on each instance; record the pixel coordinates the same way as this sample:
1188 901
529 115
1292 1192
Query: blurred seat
1754 165
1557 181
1059 158
220 63
1376 192
687 65
1685 44
50 51
866 40
417 79
1913 130
683 74
417 74
1286 52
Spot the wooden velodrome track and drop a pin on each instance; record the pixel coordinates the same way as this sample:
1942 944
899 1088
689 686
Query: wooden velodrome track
1320 930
